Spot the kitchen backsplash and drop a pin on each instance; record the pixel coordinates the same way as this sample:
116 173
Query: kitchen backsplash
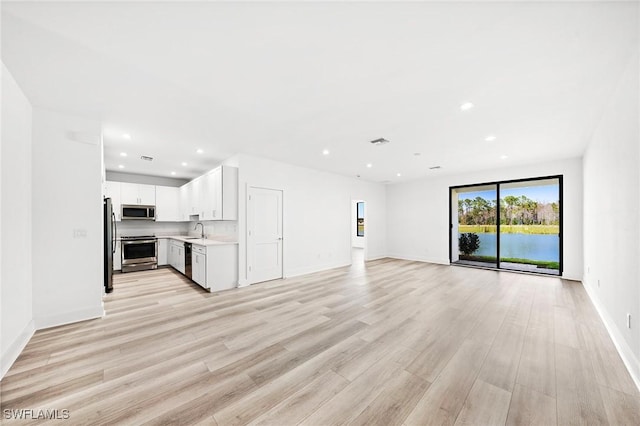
212 229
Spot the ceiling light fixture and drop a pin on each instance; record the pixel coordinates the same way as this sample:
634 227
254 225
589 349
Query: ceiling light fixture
369 165
398 174
126 136
435 167
466 106
184 163
504 157
199 151
490 138
123 154
146 158
120 166
325 152
173 173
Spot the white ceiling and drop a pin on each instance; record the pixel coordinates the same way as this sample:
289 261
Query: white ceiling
287 80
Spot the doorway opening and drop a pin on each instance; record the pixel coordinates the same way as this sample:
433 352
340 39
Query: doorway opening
358 232
513 225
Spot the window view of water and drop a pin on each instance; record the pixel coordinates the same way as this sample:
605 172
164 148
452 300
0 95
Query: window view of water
521 246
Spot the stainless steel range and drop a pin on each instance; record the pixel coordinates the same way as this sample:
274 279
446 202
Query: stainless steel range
139 253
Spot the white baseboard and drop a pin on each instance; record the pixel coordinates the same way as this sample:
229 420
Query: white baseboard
628 357
16 347
69 317
419 259
316 268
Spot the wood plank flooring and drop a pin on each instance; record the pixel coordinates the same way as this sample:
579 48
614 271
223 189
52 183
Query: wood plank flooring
391 342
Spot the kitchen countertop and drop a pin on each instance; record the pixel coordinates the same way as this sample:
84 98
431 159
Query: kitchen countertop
197 241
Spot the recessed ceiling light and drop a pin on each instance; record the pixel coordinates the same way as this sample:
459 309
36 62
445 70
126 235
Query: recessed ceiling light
126 136
184 163
173 173
398 174
490 138
199 151
504 157
325 152
369 165
121 166
466 106
123 154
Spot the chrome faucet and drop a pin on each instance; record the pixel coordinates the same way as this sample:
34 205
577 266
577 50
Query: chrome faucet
202 232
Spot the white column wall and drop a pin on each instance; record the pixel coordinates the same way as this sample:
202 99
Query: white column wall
16 293
67 219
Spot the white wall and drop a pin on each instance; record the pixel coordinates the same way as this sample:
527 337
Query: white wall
316 211
67 273
144 179
357 241
16 295
418 212
612 214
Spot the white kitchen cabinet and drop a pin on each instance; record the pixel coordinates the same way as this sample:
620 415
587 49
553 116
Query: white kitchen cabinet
112 190
163 251
137 194
219 194
222 267
176 255
168 204
199 265
190 199
117 257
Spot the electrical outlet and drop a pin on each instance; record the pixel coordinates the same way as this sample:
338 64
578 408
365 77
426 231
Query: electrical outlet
628 320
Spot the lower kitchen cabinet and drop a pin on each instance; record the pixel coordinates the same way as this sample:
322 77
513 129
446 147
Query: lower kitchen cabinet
176 255
199 265
117 257
163 251
214 266
221 267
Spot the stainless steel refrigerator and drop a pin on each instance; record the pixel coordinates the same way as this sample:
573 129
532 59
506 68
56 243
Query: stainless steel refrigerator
109 244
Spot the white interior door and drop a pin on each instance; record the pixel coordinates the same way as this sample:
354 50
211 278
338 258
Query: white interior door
264 234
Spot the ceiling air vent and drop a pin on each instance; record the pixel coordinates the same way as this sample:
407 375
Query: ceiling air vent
435 167
146 158
379 141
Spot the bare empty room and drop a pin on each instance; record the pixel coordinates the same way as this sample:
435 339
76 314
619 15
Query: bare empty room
320 213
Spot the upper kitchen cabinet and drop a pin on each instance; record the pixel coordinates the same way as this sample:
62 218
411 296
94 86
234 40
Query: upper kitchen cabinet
168 204
133 193
112 190
219 194
190 199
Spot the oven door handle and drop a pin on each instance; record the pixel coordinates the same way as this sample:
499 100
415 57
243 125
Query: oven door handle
138 242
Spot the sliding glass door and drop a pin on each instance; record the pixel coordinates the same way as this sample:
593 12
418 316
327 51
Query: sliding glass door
530 226
474 234
514 225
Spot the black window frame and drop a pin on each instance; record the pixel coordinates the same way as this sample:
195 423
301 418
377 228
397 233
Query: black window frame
497 184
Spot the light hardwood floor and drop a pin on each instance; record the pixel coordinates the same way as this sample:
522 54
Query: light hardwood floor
389 342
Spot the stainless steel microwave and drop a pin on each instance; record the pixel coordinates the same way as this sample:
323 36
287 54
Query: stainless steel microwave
136 212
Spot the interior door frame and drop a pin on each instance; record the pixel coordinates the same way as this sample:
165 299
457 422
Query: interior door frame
246 237
497 184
